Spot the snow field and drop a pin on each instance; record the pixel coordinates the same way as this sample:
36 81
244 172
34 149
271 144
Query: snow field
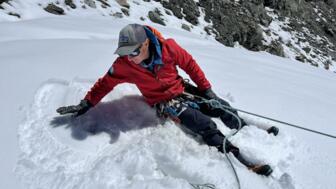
121 144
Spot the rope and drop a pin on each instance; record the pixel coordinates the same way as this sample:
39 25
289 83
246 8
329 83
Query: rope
214 103
217 104
285 123
224 149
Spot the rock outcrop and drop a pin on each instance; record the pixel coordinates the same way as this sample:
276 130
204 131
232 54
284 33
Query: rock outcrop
310 23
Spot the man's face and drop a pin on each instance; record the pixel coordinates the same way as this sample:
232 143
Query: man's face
143 55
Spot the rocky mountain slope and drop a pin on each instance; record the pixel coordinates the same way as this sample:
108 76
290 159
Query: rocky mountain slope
304 30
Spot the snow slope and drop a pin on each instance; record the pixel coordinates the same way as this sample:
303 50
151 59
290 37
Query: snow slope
51 62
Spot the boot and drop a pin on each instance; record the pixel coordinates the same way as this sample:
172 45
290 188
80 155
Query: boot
273 130
265 170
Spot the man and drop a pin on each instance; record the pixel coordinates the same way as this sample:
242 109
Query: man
149 61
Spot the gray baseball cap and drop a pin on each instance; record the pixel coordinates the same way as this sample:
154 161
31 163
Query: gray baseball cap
130 38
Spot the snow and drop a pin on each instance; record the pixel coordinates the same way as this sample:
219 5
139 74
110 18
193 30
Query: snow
138 12
52 62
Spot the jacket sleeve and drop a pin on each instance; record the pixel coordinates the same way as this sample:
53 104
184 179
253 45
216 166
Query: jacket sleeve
186 62
103 86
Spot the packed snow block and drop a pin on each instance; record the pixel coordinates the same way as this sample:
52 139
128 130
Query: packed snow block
53 9
70 4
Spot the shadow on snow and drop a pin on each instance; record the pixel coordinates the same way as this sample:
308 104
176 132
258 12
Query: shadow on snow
122 115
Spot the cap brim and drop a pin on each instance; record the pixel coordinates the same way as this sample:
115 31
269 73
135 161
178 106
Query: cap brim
126 50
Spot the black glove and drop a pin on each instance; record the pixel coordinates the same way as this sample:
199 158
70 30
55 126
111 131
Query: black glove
209 94
77 110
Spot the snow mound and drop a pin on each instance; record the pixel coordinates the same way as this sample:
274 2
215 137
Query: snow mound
121 144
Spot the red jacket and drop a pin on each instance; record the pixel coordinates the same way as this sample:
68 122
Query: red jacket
164 84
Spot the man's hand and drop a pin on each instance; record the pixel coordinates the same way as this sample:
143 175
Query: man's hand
77 110
209 94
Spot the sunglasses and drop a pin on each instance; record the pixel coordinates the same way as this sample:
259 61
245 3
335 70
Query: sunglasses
136 52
